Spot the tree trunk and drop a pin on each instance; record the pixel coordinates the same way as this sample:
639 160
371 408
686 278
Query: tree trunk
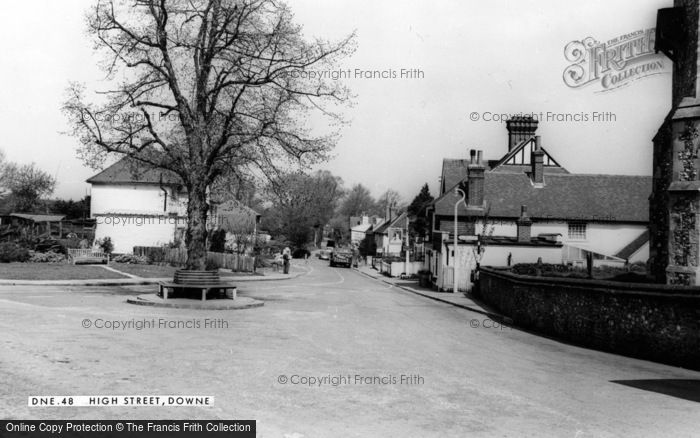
196 235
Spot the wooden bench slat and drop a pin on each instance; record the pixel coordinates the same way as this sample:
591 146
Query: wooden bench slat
164 286
202 280
198 286
87 256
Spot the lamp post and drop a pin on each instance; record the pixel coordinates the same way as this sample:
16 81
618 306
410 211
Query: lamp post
407 251
456 268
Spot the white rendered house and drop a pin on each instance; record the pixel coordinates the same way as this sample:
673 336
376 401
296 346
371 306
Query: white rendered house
137 207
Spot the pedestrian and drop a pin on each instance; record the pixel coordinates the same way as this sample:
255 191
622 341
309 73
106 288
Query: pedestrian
286 255
306 258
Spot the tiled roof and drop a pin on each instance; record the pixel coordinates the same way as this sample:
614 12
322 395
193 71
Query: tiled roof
382 228
388 224
511 241
453 171
604 198
234 216
131 171
634 246
362 228
524 168
39 217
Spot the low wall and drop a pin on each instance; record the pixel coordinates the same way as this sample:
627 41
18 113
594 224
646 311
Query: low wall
655 322
395 269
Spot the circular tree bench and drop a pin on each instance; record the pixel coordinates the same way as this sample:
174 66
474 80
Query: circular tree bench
199 280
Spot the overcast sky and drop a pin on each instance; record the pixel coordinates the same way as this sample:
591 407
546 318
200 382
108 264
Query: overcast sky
476 56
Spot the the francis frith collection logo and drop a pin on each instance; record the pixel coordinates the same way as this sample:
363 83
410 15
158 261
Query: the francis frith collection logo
615 63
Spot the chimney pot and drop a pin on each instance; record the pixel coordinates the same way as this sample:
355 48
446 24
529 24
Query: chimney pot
537 163
520 128
475 182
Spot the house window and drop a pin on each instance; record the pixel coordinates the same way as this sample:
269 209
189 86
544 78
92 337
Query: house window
577 230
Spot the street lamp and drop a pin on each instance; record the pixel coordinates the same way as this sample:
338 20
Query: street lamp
458 191
408 256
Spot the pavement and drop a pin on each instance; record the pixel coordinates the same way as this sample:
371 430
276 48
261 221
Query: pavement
134 280
456 299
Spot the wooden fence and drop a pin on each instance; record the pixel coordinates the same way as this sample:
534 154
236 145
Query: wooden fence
178 256
446 278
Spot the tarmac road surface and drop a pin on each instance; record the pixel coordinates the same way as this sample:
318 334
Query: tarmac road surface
331 354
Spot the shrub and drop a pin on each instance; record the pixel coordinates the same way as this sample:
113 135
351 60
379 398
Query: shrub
72 242
46 257
47 244
131 259
217 241
11 252
211 265
177 243
105 244
154 254
628 273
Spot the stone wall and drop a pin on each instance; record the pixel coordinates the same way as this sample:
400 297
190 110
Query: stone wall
659 201
655 322
685 74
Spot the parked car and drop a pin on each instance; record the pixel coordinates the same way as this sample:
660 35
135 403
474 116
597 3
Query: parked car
342 257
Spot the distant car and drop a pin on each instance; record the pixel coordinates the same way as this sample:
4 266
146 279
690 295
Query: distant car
324 254
342 257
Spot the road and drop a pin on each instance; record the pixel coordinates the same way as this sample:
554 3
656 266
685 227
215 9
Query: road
331 354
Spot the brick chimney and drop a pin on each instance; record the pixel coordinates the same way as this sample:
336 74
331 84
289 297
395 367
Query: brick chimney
524 226
475 180
520 128
537 163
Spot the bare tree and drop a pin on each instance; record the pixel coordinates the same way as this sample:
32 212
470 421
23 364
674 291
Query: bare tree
488 226
301 204
206 88
358 200
389 199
